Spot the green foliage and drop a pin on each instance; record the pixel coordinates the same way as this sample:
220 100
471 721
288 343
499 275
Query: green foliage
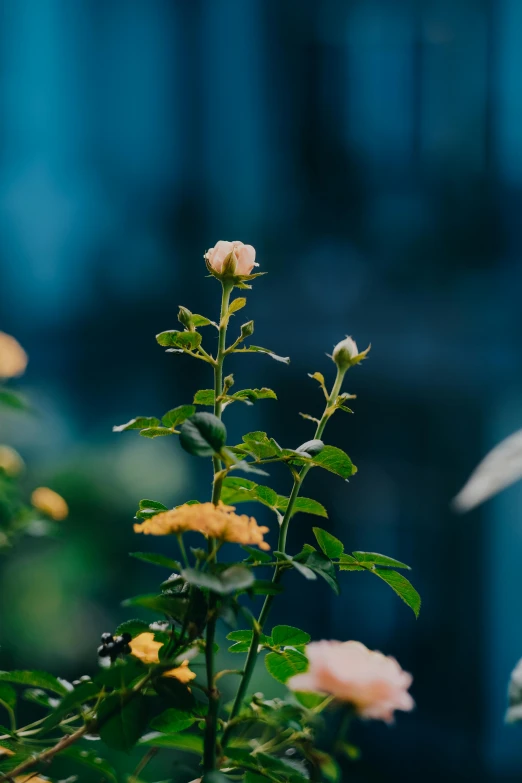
92 760
203 435
330 545
241 490
288 636
258 349
138 423
233 579
35 679
122 720
148 508
178 415
11 399
156 559
183 341
188 742
285 664
172 720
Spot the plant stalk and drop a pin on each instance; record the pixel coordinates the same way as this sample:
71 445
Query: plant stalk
211 724
281 545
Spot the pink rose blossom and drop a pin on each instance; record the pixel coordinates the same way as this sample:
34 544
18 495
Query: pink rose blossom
245 256
372 682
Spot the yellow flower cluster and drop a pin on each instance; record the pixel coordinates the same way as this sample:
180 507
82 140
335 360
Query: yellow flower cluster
212 521
146 649
13 358
50 503
10 461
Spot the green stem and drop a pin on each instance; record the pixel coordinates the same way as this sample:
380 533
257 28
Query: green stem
281 545
211 725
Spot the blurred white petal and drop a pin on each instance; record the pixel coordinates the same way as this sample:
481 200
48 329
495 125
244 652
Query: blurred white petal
500 468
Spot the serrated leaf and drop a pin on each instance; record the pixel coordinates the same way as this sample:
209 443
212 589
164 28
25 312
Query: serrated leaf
257 555
237 490
258 349
236 304
253 395
324 567
349 563
156 559
155 432
231 580
172 720
149 508
178 415
192 743
336 461
204 397
288 636
240 636
90 758
203 435
134 627
201 320
400 585
139 423
374 558
34 679
260 445
121 721
182 340
284 665
330 545
303 505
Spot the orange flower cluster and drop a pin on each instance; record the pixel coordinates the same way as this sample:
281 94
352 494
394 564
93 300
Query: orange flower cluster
212 521
146 649
13 358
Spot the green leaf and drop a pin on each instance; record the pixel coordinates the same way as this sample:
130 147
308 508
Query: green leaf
237 489
253 395
236 304
349 563
260 445
156 559
12 400
178 415
181 340
139 423
302 569
288 636
229 581
240 636
303 505
336 461
200 320
266 587
256 555
258 349
90 758
203 435
214 777
122 721
284 665
204 397
163 604
288 770
149 508
402 587
373 558
172 720
192 743
330 545
309 699
34 679
7 695
155 432
324 567
134 627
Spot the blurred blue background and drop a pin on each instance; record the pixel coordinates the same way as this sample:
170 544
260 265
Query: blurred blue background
371 151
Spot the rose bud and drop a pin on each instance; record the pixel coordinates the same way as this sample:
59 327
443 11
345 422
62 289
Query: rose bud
346 354
231 258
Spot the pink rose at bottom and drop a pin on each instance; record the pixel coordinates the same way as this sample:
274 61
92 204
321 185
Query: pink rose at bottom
372 682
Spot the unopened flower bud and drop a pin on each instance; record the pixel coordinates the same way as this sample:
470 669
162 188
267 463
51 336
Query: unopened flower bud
247 329
346 354
229 259
185 317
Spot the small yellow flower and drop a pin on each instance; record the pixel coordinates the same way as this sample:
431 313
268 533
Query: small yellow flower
146 649
10 461
181 673
50 503
212 521
13 358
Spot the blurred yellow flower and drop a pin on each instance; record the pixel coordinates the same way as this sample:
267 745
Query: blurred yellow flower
146 649
13 358
50 503
181 673
10 461
212 521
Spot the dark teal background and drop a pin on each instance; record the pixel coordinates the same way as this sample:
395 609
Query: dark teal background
371 151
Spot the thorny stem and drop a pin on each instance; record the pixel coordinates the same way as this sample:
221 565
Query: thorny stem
211 724
281 545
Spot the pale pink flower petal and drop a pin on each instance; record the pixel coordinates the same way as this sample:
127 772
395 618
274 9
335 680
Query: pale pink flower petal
245 256
373 683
